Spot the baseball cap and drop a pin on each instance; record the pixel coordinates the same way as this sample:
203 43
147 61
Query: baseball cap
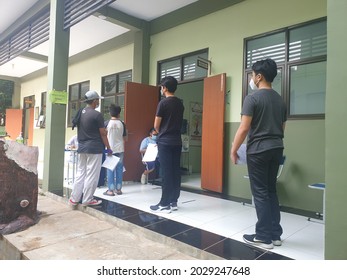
91 95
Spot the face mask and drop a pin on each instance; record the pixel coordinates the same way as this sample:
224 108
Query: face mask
252 85
154 137
162 93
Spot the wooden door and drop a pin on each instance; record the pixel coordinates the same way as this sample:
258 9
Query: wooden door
28 128
140 106
212 150
13 123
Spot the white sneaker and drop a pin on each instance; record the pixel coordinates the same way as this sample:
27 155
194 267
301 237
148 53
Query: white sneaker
143 179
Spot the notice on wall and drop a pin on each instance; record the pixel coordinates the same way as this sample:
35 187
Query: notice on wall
58 97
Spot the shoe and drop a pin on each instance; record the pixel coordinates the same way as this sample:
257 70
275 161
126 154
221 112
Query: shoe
143 179
250 238
173 206
119 192
72 202
109 193
277 242
160 209
93 202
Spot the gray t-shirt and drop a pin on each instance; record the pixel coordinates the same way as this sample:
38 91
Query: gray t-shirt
89 138
268 112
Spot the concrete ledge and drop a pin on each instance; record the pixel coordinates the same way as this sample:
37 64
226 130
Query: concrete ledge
66 234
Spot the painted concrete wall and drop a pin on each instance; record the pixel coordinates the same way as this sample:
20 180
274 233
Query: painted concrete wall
336 132
223 33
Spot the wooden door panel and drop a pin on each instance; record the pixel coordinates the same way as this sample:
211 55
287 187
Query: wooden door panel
14 119
212 150
140 106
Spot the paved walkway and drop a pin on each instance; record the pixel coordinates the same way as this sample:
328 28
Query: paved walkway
87 234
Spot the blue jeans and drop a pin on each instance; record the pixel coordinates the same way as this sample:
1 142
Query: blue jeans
262 171
170 159
115 177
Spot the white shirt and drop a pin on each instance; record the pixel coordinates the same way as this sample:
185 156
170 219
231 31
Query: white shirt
115 136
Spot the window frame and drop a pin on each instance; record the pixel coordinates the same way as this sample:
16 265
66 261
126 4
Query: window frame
116 94
77 101
181 59
285 67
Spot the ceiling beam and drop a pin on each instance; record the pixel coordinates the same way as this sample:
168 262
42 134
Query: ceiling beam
188 13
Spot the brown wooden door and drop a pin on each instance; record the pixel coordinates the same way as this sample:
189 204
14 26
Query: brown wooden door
14 122
212 150
140 106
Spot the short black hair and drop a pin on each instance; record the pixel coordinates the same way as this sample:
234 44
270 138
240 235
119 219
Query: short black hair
151 130
114 110
170 83
266 67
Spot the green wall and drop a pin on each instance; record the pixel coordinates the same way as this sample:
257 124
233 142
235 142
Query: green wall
336 132
305 164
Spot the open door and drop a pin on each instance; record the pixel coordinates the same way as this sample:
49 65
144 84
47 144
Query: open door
212 150
13 123
140 106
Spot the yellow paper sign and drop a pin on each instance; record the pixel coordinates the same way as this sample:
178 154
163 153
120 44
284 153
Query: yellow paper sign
58 97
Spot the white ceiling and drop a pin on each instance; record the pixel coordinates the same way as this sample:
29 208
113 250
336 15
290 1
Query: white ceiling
80 34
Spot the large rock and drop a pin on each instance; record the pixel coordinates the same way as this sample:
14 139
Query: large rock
18 186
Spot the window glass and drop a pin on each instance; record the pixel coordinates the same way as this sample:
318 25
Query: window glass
307 88
123 78
271 46
84 89
308 41
192 70
171 68
74 92
110 84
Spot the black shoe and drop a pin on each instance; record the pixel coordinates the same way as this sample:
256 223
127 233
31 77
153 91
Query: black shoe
160 209
250 238
174 206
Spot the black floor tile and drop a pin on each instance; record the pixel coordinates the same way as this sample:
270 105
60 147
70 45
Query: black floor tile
198 238
168 228
117 210
235 250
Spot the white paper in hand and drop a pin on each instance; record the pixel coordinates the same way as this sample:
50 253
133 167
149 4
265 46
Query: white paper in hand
110 162
151 153
241 152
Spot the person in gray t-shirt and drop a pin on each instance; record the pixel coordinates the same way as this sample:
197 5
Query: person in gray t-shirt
92 140
263 119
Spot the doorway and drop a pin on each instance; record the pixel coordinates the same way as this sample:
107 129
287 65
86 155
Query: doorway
203 138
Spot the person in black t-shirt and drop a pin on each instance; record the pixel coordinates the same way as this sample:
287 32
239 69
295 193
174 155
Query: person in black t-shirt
168 123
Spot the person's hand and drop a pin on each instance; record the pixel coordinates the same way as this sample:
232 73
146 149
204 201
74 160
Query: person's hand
234 156
109 152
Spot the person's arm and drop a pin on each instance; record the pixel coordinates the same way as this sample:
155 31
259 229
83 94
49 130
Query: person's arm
240 136
103 134
157 122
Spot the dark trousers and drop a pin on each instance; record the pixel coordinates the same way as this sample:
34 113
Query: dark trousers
262 171
170 160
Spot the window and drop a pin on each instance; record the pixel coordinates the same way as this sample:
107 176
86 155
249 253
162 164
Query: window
6 93
300 53
113 89
76 96
187 67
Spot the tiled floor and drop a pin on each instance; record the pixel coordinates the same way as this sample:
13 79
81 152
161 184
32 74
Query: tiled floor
214 224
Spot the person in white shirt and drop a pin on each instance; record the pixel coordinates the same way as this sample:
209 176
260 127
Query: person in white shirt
115 134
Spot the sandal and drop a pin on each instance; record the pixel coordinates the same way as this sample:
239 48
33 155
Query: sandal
119 192
109 193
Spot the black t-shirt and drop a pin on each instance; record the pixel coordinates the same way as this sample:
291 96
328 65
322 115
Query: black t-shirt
170 109
268 112
89 138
